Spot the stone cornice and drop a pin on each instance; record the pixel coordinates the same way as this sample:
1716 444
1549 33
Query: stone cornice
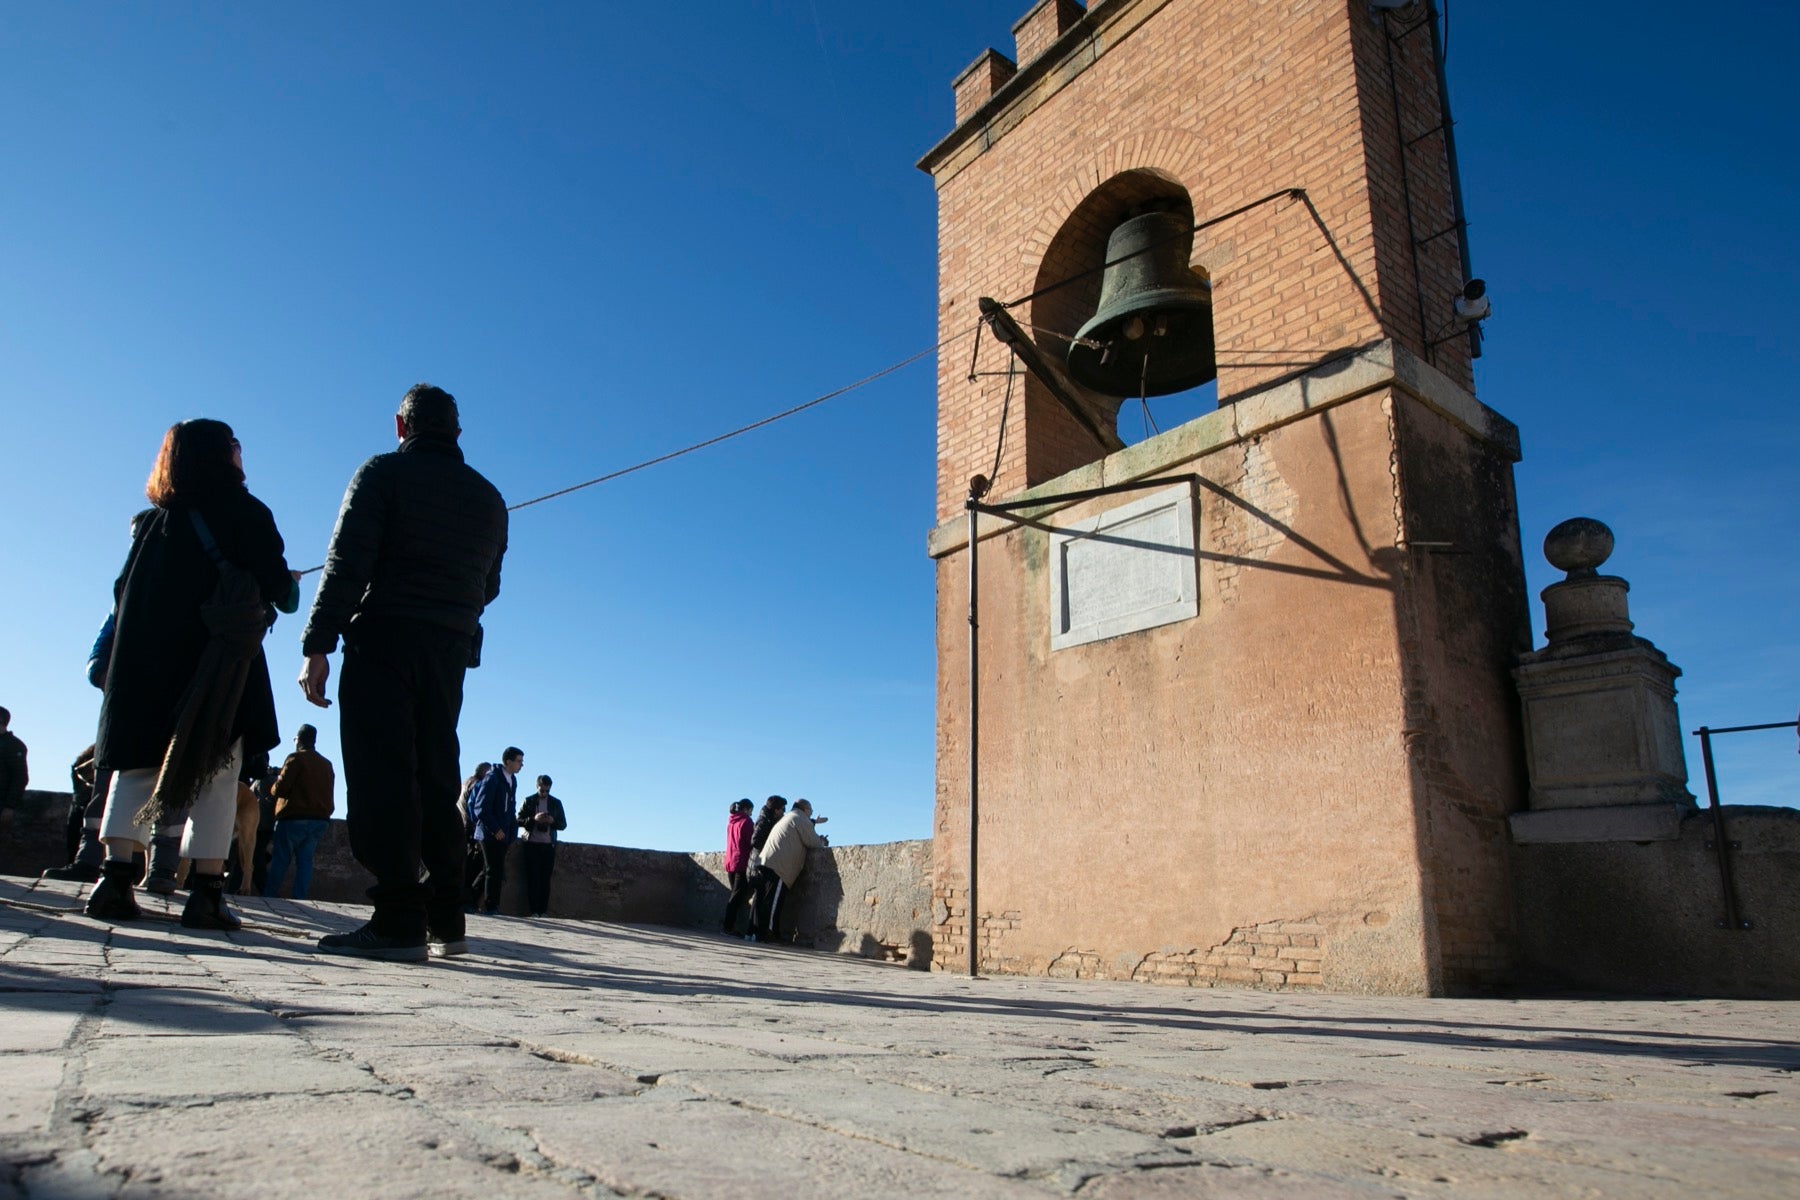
1336 381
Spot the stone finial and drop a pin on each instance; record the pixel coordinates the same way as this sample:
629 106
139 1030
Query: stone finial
1585 604
1602 736
1579 546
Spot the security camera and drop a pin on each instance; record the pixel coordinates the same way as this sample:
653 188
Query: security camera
1472 305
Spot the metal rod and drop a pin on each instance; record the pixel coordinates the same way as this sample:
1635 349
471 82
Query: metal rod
1748 728
1458 211
977 489
1048 371
1136 485
1720 847
1406 202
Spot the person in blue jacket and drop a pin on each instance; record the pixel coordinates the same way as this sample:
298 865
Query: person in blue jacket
494 806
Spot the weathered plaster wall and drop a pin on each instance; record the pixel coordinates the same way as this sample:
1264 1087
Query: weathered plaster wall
1463 618
1642 917
1322 759
873 901
1150 798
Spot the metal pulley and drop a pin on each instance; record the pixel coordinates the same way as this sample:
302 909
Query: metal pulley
1152 333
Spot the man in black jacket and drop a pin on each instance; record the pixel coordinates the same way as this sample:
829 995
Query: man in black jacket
414 560
15 772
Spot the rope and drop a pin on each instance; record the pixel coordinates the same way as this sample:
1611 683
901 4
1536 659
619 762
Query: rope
738 432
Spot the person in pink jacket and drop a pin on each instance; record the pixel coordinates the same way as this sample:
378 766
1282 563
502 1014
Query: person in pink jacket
738 828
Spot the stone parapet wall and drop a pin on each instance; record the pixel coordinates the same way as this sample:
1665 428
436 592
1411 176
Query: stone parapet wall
873 901
1643 918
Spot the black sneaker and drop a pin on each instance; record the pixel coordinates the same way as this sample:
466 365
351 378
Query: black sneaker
367 943
75 872
446 947
446 938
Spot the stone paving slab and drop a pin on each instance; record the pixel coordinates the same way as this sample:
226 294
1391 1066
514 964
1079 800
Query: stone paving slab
574 1059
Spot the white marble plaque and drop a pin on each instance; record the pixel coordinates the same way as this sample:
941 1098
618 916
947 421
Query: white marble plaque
1128 569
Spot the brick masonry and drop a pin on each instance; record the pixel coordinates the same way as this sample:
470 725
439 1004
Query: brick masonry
1335 733
1214 105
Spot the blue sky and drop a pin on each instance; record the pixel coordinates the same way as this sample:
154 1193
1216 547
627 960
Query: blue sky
614 229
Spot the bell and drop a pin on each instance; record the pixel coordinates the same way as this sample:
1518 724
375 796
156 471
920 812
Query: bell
1152 334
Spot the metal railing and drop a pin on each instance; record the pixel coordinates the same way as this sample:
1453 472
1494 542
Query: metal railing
1720 845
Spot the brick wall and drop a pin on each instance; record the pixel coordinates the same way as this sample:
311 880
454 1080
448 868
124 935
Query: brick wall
1218 104
1330 742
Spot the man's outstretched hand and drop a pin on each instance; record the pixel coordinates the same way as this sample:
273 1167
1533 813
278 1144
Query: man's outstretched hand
313 677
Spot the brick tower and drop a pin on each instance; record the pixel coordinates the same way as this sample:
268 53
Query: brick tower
1289 762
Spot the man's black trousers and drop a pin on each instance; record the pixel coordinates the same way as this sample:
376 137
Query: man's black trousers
493 872
401 695
540 863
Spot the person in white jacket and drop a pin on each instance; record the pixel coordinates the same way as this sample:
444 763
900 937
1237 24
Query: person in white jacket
783 858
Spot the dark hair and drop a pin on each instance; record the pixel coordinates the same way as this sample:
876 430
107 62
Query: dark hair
5 716
765 821
742 806
544 781
482 769
512 752
195 459
307 736
430 412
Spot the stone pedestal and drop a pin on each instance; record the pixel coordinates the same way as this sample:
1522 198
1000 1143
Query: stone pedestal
1602 736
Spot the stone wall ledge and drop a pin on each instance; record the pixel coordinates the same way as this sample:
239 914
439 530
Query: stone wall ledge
1611 823
867 900
1337 381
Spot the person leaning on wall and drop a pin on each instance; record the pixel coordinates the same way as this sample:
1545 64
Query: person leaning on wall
783 859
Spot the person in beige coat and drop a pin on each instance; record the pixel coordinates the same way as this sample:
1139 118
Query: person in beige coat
783 858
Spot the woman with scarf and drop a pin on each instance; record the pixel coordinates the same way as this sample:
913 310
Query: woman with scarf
187 694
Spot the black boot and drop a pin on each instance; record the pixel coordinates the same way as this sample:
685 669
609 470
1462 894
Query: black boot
206 904
75 872
111 899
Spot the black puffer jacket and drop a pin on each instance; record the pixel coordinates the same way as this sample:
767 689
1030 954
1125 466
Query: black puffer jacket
420 537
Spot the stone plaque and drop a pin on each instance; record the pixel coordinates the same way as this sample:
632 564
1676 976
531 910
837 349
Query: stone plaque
1128 569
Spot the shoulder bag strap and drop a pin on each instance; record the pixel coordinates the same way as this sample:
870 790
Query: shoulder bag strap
206 538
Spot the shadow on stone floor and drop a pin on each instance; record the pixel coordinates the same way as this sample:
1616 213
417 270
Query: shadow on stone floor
286 925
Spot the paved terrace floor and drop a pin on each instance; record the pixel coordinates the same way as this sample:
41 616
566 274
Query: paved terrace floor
570 1059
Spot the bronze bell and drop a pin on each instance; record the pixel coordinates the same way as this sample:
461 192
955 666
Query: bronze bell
1154 324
